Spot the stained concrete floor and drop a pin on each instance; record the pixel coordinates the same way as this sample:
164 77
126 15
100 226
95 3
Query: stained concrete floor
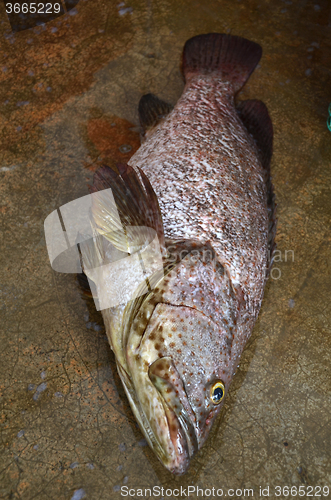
68 100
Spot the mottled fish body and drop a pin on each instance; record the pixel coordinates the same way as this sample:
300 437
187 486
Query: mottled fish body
201 181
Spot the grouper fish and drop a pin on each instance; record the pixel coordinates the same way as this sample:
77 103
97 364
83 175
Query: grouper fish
201 183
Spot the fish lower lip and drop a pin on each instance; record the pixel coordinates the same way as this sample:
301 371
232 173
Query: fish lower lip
189 432
181 428
181 461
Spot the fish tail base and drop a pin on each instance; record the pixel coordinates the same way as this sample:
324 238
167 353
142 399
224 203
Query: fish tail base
232 57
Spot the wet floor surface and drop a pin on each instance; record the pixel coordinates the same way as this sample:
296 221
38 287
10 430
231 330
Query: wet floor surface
68 102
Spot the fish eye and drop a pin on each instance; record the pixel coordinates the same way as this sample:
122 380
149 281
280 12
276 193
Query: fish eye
217 392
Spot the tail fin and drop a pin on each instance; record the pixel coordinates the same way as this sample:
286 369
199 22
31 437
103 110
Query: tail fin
232 57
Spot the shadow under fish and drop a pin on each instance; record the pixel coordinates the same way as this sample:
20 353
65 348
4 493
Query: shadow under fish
190 226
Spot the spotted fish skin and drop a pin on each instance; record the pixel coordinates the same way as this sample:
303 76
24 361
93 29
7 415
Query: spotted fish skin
208 164
191 319
207 175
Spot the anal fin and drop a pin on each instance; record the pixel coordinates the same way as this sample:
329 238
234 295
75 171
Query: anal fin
151 111
254 115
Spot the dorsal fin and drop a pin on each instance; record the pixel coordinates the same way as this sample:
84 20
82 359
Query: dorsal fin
254 115
152 110
232 58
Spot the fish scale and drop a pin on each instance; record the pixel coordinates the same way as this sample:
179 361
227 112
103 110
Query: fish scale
201 182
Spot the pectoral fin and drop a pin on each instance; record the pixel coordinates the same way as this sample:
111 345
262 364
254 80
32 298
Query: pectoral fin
125 207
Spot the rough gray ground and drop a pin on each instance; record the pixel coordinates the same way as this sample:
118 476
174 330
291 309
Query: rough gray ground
66 429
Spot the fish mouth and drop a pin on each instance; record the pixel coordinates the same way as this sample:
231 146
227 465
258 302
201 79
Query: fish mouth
183 437
178 461
177 442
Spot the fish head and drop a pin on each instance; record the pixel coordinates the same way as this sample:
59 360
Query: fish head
179 358
173 325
